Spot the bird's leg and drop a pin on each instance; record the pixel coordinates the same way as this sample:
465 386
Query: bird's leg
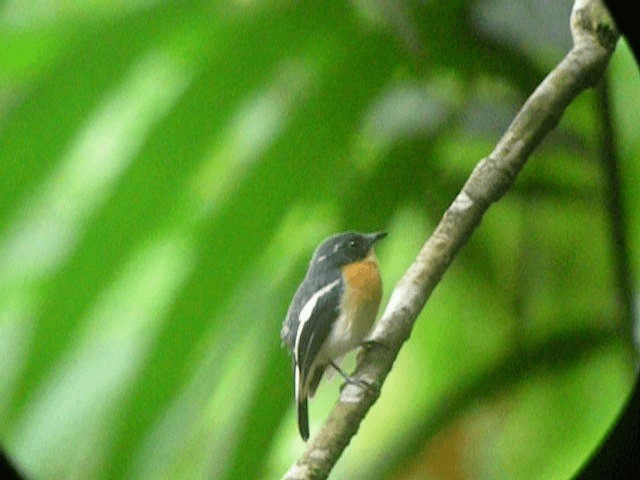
350 380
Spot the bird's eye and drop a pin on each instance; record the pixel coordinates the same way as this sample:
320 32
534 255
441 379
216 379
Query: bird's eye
352 243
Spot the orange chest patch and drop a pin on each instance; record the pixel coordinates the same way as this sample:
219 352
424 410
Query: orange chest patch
364 285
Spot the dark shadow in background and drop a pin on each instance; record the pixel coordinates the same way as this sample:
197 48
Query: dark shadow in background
627 21
619 455
7 468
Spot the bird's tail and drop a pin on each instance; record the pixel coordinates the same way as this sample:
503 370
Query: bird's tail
303 418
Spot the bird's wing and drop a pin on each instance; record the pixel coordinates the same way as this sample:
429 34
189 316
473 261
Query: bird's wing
291 321
315 320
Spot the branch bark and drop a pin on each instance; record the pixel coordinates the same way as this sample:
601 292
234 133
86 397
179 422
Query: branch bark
594 38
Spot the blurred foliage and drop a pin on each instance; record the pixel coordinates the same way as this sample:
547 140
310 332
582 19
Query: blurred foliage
166 169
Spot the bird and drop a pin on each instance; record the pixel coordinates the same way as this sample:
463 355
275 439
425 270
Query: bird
331 312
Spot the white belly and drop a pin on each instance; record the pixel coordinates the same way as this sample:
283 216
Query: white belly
348 331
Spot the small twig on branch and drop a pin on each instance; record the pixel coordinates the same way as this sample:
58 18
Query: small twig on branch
594 36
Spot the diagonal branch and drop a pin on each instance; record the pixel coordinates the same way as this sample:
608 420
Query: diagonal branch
594 36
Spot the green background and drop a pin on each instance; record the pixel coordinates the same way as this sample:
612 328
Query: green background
166 169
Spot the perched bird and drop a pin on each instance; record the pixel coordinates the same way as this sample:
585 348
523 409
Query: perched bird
331 312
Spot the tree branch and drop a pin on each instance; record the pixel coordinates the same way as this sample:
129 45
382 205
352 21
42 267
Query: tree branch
594 36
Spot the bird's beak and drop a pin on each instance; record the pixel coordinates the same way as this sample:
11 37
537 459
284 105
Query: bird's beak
374 237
